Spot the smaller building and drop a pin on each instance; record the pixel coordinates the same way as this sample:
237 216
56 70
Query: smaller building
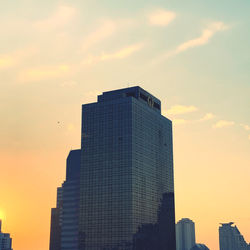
64 218
185 234
199 247
231 238
5 240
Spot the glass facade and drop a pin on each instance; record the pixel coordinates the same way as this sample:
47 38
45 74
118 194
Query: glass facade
126 182
70 203
64 232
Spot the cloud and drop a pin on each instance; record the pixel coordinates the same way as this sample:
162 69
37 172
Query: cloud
205 37
207 117
249 137
43 73
207 34
161 17
63 15
16 57
181 109
223 123
120 54
107 28
180 121
246 127
7 61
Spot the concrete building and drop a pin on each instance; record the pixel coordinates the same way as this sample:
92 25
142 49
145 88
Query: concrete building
185 234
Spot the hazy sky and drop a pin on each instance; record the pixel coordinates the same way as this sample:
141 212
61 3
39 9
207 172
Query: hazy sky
193 55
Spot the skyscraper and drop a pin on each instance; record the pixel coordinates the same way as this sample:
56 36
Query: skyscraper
5 240
231 238
65 217
185 234
126 183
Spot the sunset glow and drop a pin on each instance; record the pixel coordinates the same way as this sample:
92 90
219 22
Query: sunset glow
1 215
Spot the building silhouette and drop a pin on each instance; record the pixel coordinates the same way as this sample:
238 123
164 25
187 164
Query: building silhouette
5 240
185 234
65 217
231 238
126 183
119 188
199 247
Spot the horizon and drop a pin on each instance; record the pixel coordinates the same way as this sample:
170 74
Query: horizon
194 57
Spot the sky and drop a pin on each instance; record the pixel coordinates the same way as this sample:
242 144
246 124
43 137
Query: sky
193 55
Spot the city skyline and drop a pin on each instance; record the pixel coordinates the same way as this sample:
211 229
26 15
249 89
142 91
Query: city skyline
57 55
119 188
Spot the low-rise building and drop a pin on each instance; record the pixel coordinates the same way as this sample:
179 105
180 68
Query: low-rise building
5 240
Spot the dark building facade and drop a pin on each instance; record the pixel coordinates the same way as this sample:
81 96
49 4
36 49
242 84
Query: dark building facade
199 247
5 240
65 217
126 182
231 238
55 229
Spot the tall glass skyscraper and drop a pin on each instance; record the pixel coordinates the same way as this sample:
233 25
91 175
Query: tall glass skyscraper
126 182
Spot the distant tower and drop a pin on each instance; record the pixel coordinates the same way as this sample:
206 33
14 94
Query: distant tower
70 202
5 240
185 234
64 218
199 247
56 223
231 238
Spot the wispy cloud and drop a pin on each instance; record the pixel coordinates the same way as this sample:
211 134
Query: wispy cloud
181 109
207 117
63 15
161 17
16 57
223 123
205 37
246 127
107 28
120 54
180 121
44 73
7 61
